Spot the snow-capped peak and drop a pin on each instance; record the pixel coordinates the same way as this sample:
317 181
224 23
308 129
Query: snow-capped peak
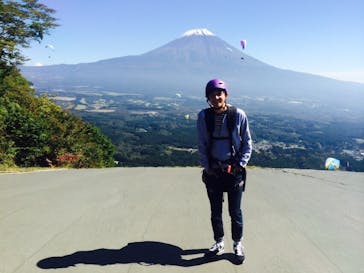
198 31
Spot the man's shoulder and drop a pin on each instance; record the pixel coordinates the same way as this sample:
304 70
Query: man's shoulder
239 111
202 113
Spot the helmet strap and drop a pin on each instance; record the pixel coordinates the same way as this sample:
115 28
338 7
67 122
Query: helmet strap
216 109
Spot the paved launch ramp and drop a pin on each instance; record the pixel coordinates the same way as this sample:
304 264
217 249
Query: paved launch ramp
157 220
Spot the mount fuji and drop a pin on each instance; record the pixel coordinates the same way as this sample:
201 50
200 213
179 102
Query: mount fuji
187 63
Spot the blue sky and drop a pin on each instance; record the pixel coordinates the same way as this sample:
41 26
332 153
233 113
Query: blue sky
316 36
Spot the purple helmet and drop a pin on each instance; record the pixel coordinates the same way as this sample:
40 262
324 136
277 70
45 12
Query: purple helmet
215 84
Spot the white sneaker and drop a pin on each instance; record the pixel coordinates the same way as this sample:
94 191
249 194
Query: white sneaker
216 249
239 252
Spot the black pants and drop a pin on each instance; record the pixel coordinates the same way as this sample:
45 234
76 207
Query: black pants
216 185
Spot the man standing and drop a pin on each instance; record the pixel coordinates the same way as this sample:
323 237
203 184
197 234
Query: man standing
225 147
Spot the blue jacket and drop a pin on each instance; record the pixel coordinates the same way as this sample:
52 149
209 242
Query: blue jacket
221 149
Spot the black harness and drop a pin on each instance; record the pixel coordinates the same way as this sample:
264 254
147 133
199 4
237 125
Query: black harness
210 125
224 166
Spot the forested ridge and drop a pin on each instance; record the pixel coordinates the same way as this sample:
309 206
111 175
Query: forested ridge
34 131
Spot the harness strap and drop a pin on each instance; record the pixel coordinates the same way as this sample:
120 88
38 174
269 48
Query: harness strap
210 125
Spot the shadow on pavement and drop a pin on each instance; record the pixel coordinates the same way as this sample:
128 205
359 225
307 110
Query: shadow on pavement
144 253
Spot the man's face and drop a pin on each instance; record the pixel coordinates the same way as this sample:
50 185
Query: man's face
217 98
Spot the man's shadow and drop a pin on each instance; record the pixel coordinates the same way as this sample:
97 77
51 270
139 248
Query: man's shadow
144 253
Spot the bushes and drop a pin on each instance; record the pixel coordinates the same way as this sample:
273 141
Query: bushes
36 132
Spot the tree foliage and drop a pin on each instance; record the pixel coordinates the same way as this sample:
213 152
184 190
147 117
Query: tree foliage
36 132
22 22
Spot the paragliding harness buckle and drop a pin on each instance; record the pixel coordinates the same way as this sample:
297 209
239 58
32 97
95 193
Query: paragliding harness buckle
232 169
227 167
223 167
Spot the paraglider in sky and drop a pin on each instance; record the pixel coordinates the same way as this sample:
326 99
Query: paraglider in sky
243 44
332 164
51 47
187 117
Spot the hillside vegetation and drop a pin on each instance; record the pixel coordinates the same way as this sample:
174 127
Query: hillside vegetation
33 130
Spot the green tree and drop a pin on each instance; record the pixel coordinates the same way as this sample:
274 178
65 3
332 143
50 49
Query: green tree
21 22
34 131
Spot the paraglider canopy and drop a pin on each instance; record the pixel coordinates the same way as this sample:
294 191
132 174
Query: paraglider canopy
50 46
332 164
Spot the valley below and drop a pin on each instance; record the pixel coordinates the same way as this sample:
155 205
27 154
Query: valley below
161 130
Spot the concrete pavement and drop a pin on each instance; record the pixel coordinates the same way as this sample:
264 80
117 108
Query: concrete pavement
157 220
